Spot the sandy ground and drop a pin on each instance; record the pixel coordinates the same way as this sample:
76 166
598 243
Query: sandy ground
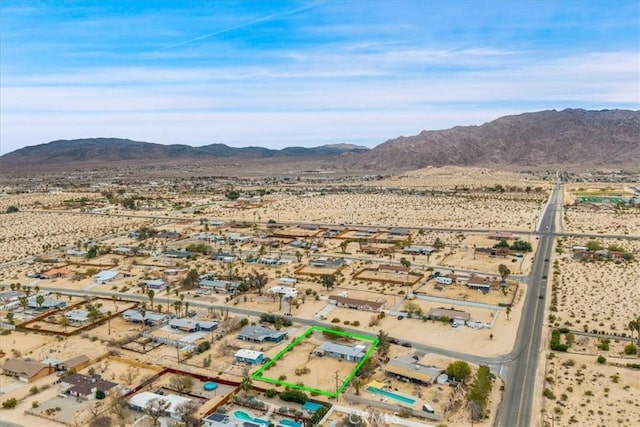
588 393
598 295
449 177
34 233
601 218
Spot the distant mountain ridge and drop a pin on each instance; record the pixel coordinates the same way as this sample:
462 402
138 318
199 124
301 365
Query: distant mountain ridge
118 149
567 137
571 137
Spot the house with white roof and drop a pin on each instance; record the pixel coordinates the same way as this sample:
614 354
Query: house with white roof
106 276
141 401
251 357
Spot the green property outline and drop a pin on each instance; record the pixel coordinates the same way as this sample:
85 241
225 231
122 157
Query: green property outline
257 375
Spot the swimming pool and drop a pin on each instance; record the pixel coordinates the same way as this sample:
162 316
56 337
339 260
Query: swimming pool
288 423
398 397
241 415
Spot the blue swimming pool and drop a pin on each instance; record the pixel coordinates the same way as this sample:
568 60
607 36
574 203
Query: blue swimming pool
288 423
244 416
395 396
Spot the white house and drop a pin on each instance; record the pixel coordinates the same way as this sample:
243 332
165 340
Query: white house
106 276
285 291
140 401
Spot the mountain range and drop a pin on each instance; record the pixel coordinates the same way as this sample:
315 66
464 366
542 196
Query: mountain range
547 138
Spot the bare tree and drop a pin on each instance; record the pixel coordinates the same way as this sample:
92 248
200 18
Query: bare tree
156 408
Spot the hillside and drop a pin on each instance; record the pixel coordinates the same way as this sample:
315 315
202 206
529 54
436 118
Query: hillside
106 150
546 138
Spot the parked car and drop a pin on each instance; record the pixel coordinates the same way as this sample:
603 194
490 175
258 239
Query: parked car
394 341
406 344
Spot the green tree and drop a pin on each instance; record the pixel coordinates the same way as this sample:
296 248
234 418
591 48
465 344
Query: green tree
299 256
11 209
247 383
191 279
343 246
64 322
92 252
10 318
40 301
328 281
460 370
405 262
504 271
24 301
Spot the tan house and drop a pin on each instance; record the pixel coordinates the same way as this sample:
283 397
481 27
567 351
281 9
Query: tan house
358 304
26 370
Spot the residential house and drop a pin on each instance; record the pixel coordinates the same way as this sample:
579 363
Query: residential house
328 262
56 272
178 253
225 257
357 304
106 276
139 402
261 334
252 357
219 286
189 325
168 235
417 250
150 317
84 386
47 304
154 283
501 235
398 269
76 363
476 282
409 368
285 291
26 370
340 351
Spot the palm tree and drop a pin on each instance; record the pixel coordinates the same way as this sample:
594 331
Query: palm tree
357 384
64 322
176 306
151 294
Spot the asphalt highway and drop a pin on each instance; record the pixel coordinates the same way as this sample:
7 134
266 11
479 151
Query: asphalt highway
516 406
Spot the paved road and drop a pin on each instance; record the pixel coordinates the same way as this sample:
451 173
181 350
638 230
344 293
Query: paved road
516 407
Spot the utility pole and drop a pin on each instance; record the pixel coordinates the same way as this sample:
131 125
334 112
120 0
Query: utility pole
337 385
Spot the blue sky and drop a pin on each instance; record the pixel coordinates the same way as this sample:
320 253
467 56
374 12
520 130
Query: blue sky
283 73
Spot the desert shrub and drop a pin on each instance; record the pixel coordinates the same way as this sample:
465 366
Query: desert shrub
272 392
601 359
356 323
548 393
604 344
10 403
556 345
335 320
35 404
630 349
297 396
